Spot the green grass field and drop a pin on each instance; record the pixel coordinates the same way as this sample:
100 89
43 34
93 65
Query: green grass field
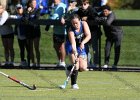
94 85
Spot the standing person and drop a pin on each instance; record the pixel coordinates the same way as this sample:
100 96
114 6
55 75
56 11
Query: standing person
87 14
20 32
96 38
113 35
79 34
59 32
33 32
7 36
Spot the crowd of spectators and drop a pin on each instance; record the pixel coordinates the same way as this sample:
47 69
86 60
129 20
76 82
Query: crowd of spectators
94 13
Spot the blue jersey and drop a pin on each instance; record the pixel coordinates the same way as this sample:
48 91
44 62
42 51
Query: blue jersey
43 3
79 36
56 14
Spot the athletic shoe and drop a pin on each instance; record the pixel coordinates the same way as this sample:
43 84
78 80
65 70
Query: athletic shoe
23 63
105 66
75 86
62 64
95 65
92 67
11 64
34 65
6 63
114 66
87 69
37 65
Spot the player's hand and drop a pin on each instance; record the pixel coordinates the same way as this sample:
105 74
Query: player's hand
62 20
84 18
76 56
29 9
82 46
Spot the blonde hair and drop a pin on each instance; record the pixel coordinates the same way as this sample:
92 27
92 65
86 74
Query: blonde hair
3 3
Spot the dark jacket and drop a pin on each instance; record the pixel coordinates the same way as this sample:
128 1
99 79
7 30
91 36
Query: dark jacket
89 12
109 29
32 29
96 3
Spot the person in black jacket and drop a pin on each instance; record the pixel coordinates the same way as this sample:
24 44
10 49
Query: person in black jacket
88 14
113 35
33 32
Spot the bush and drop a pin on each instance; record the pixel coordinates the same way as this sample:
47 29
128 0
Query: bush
124 4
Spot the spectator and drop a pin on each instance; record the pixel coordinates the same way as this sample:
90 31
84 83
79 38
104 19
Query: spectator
59 31
33 32
7 36
87 13
12 5
79 34
20 32
113 35
44 4
96 4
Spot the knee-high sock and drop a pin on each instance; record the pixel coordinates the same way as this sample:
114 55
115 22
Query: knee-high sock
74 77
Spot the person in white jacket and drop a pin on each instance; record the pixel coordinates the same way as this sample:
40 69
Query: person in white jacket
6 32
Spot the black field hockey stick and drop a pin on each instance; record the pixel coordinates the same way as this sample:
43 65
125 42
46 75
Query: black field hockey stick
17 81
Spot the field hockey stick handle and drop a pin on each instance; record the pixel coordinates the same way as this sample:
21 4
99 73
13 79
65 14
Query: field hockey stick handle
76 57
4 74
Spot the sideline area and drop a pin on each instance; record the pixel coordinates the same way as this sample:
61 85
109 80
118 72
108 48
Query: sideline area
54 67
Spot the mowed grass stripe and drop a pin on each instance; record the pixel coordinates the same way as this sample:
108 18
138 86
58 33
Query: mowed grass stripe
93 85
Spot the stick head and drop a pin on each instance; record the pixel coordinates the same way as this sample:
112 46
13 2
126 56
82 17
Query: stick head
33 88
62 86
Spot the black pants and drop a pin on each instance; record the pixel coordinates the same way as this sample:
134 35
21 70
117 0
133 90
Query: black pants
96 34
117 46
23 46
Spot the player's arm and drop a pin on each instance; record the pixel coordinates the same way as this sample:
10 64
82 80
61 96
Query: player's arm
72 40
87 34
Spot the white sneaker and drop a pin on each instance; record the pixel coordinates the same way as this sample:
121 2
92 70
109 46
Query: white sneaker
75 86
87 69
62 64
105 66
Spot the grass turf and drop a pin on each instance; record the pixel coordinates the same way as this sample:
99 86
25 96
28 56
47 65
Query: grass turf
94 85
